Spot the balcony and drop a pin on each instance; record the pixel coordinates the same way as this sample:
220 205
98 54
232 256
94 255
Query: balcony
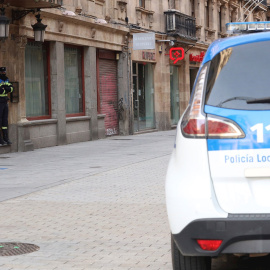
178 24
32 4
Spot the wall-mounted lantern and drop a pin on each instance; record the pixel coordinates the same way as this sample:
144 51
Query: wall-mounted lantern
39 29
4 24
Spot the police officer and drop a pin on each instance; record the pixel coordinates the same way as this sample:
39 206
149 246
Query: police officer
5 88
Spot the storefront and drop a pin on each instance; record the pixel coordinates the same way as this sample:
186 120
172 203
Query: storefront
143 91
68 87
108 90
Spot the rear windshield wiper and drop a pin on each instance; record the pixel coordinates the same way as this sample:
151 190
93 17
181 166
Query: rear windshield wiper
247 99
259 100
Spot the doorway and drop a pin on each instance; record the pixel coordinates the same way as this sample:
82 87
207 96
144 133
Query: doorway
174 94
193 73
143 96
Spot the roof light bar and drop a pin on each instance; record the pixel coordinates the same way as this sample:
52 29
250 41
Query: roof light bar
247 27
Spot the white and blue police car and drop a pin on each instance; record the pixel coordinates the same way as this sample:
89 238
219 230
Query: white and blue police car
218 178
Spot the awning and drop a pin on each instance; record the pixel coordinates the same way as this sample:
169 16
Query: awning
32 4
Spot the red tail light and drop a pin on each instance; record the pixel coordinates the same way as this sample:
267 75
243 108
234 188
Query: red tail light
216 128
195 127
223 128
210 245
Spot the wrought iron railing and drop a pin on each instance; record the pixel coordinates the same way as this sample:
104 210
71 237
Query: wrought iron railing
180 24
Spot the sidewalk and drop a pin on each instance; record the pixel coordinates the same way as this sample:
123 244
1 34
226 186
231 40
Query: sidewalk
93 205
26 172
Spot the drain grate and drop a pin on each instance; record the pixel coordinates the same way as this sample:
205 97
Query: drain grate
14 249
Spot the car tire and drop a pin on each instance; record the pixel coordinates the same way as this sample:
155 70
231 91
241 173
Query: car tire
181 262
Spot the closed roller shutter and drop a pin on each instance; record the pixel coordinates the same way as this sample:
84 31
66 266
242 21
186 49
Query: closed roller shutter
108 97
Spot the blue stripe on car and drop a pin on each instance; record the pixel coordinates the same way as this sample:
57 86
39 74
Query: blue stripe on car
245 119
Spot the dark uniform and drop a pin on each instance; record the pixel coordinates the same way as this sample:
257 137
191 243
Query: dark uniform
5 88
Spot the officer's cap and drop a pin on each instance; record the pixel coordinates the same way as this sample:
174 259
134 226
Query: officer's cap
3 69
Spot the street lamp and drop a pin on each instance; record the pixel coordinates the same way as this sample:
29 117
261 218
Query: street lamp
39 29
4 25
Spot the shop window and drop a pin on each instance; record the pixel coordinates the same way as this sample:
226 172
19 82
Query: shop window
37 86
73 57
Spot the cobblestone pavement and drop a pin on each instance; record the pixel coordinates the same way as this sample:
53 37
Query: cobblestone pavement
112 219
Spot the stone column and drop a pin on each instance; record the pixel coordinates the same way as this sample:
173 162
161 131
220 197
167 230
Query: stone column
123 93
224 16
58 90
197 12
234 15
212 22
21 42
24 141
90 77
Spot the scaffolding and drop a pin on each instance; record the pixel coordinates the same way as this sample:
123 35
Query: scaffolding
249 7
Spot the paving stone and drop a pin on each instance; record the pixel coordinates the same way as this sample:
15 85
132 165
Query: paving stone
94 205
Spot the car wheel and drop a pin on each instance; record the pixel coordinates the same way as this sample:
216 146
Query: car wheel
181 262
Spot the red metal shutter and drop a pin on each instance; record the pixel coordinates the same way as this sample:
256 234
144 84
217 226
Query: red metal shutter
108 96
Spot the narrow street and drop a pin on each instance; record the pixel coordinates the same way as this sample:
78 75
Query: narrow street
94 205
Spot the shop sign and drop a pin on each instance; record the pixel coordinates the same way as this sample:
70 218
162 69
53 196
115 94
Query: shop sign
144 41
177 54
149 56
196 58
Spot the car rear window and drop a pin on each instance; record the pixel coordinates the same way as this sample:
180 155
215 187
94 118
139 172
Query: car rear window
239 75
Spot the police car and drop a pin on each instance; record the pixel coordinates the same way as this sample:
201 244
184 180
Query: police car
218 178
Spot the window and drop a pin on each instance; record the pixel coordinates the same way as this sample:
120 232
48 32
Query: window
37 91
171 4
239 74
74 81
142 3
220 21
206 15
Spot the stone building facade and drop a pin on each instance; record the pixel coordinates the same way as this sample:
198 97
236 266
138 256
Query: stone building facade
87 80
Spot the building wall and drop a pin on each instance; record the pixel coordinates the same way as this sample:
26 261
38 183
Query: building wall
109 25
